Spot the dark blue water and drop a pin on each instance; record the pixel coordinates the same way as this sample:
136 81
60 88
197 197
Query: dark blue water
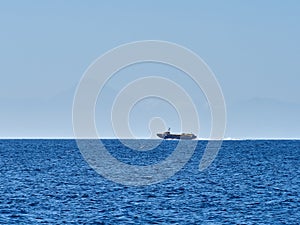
250 182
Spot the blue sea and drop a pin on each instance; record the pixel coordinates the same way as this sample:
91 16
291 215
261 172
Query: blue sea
249 182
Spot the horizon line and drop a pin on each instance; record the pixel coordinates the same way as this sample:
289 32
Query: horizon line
144 138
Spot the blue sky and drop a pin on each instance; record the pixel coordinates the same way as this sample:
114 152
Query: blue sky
251 46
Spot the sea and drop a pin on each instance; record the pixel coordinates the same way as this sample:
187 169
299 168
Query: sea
45 181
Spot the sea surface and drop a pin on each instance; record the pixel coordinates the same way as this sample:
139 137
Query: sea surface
249 182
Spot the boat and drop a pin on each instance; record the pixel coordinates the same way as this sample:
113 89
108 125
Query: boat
168 135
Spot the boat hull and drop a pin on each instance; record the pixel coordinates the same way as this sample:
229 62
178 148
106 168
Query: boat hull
177 136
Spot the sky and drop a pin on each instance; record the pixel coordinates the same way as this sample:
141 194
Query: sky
252 47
